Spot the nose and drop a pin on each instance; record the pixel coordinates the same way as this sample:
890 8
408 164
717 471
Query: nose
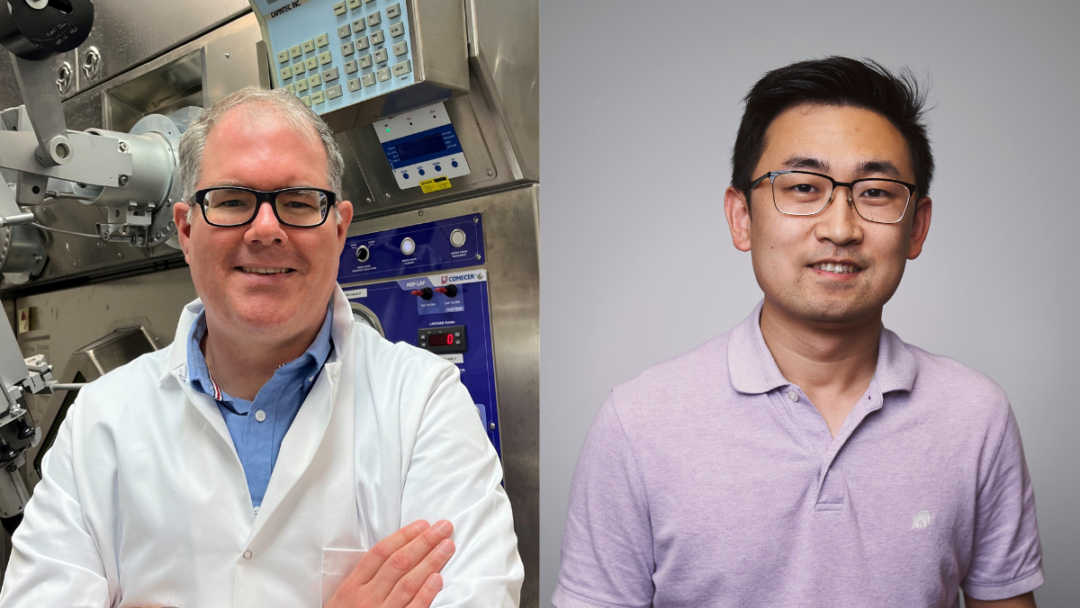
839 223
265 228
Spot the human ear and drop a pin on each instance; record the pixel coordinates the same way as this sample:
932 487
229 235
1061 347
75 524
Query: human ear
737 210
183 227
920 226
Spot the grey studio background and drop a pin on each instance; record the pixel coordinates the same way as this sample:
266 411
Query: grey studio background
640 105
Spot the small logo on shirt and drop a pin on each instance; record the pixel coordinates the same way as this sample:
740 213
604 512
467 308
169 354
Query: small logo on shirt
922 519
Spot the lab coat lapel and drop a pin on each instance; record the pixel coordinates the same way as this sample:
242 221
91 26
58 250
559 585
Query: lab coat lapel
301 443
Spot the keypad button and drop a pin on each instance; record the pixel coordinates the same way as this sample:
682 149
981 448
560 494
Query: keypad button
298 68
348 49
354 85
374 19
351 67
354 4
362 43
311 63
283 56
307 100
393 12
383 75
286 73
295 52
339 8
401 48
322 40
368 80
402 68
365 61
378 38
381 56
333 92
314 80
368 1
325 58
331 75
344 31
318 97
308 46
359 25
301 85
398 29
290 88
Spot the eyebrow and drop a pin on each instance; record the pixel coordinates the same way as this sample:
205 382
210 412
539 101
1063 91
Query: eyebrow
866 167
806 162
878 166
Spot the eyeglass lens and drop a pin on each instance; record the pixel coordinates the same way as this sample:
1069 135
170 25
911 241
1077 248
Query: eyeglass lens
229 207
805 194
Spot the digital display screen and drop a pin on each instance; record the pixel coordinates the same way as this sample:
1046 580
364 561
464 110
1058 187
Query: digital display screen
421 147
440 339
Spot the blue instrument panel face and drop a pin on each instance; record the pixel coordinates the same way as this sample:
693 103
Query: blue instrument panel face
433 246
333 54
422 147
404 319
431 295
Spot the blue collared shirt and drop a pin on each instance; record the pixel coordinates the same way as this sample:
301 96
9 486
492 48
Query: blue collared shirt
258 427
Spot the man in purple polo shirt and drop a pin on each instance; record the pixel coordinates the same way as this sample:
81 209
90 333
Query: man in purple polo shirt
809 457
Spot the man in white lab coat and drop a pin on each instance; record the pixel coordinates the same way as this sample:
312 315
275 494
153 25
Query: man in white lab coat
277 453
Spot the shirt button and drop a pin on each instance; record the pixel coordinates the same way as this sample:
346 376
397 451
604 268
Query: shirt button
793 396
247 554
260 415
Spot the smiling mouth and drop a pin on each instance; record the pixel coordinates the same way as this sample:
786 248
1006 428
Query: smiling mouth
836 268
252 270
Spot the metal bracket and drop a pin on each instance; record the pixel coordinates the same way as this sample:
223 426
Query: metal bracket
38 82
99 161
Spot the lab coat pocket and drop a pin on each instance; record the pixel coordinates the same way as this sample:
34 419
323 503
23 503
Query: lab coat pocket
336 565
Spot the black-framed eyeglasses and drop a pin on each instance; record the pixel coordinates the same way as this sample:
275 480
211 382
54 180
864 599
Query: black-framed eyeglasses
229 206
878 200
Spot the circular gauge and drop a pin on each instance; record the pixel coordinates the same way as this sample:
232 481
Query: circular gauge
408 246
363 314
457 238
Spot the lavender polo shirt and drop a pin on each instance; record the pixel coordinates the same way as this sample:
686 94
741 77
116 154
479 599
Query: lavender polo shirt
710 480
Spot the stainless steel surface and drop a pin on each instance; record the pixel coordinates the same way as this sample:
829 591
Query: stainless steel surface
121 345
504 40
22 254
129 33
510 224
10 96
440 51
478 133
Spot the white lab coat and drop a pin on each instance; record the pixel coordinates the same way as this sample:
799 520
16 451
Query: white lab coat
143 500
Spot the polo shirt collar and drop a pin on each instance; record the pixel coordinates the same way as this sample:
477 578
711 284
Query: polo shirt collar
753 369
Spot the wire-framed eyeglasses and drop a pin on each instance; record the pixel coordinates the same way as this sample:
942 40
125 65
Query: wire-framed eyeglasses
802 193
229 206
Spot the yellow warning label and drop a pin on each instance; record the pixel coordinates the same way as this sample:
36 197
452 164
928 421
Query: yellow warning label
434 185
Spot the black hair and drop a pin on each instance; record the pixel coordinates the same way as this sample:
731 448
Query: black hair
834 81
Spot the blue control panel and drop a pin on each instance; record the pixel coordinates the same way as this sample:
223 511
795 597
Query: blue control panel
333 53
423 248
422 285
